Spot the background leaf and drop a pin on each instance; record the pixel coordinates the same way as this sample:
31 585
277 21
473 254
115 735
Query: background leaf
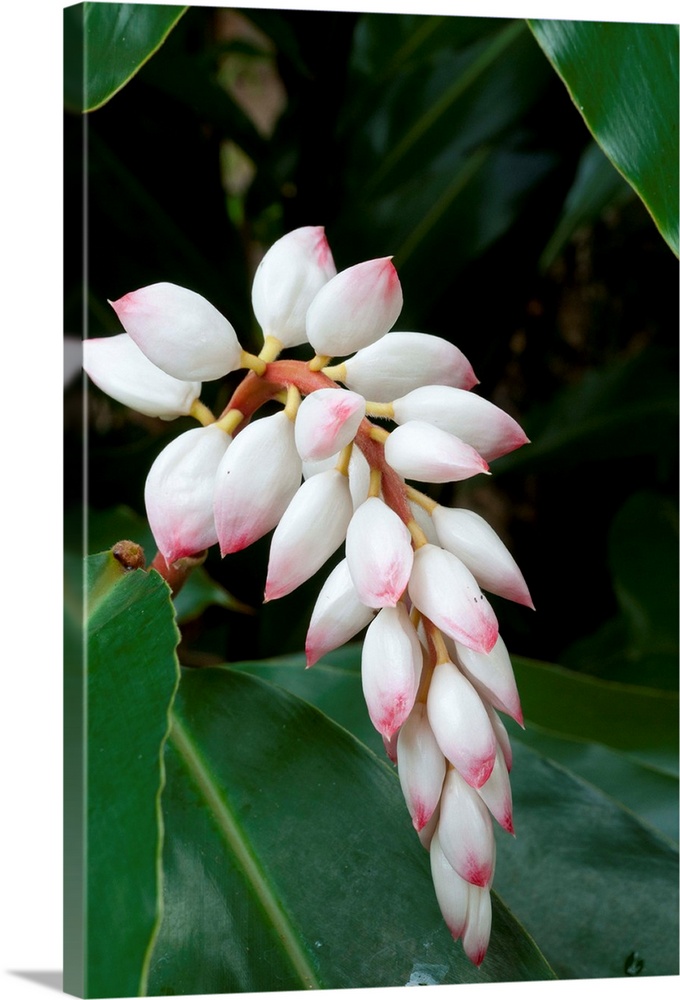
578 841
623 78
132 675
286 840
106 44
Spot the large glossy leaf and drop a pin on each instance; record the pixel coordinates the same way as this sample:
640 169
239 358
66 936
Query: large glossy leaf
623 78
290 861
574 796
105 44
131 678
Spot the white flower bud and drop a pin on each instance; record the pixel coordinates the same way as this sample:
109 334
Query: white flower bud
312 527
492 675
446 592
359 473
391 663
422 766
337 616
289 275
421 451
179 492
379 553
478 924
256 480
355 308
122 371
460 724
469 537
488 429
180 331
465 831
451 890
400 362
326 421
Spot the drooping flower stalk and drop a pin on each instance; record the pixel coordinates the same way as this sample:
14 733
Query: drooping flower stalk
322 469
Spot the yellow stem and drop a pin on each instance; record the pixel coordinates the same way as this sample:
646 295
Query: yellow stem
380 410
230 421
254 363
439 646
427 503
374 487
343 461
271 349
379 434
293 400
318 362
417 534
336 372
201 412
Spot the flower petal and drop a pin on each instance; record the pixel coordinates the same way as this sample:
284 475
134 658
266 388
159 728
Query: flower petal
446 592
451 890
460 724
469 537
287 279
312 527
488 429
379 553
337 616
418 450
179 492
355 308
400 362
422 766
121 370
492 675
256 480
326 421
180 331
465 831
391 662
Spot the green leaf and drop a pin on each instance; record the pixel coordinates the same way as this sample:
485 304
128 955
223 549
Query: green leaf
640 645
582 865
596 185
590 882
640 721
106 527
105 44
290 861
132 675
623 78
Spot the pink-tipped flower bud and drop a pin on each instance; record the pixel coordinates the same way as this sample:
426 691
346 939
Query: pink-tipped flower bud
179 492
451 890
312 527
501 734
391 663
446 592
492 675
488 429
121 370
400 362
326 421
337 616
465 831
496 793
379 553
180 331
461 724
420 451
256 480
469 537
355 308
422 766
478 924
289 276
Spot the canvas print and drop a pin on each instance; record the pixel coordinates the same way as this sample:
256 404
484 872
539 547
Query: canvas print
371 499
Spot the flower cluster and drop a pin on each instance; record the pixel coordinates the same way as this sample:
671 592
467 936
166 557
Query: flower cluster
320 472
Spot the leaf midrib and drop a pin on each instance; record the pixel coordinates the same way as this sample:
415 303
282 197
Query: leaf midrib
235 839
